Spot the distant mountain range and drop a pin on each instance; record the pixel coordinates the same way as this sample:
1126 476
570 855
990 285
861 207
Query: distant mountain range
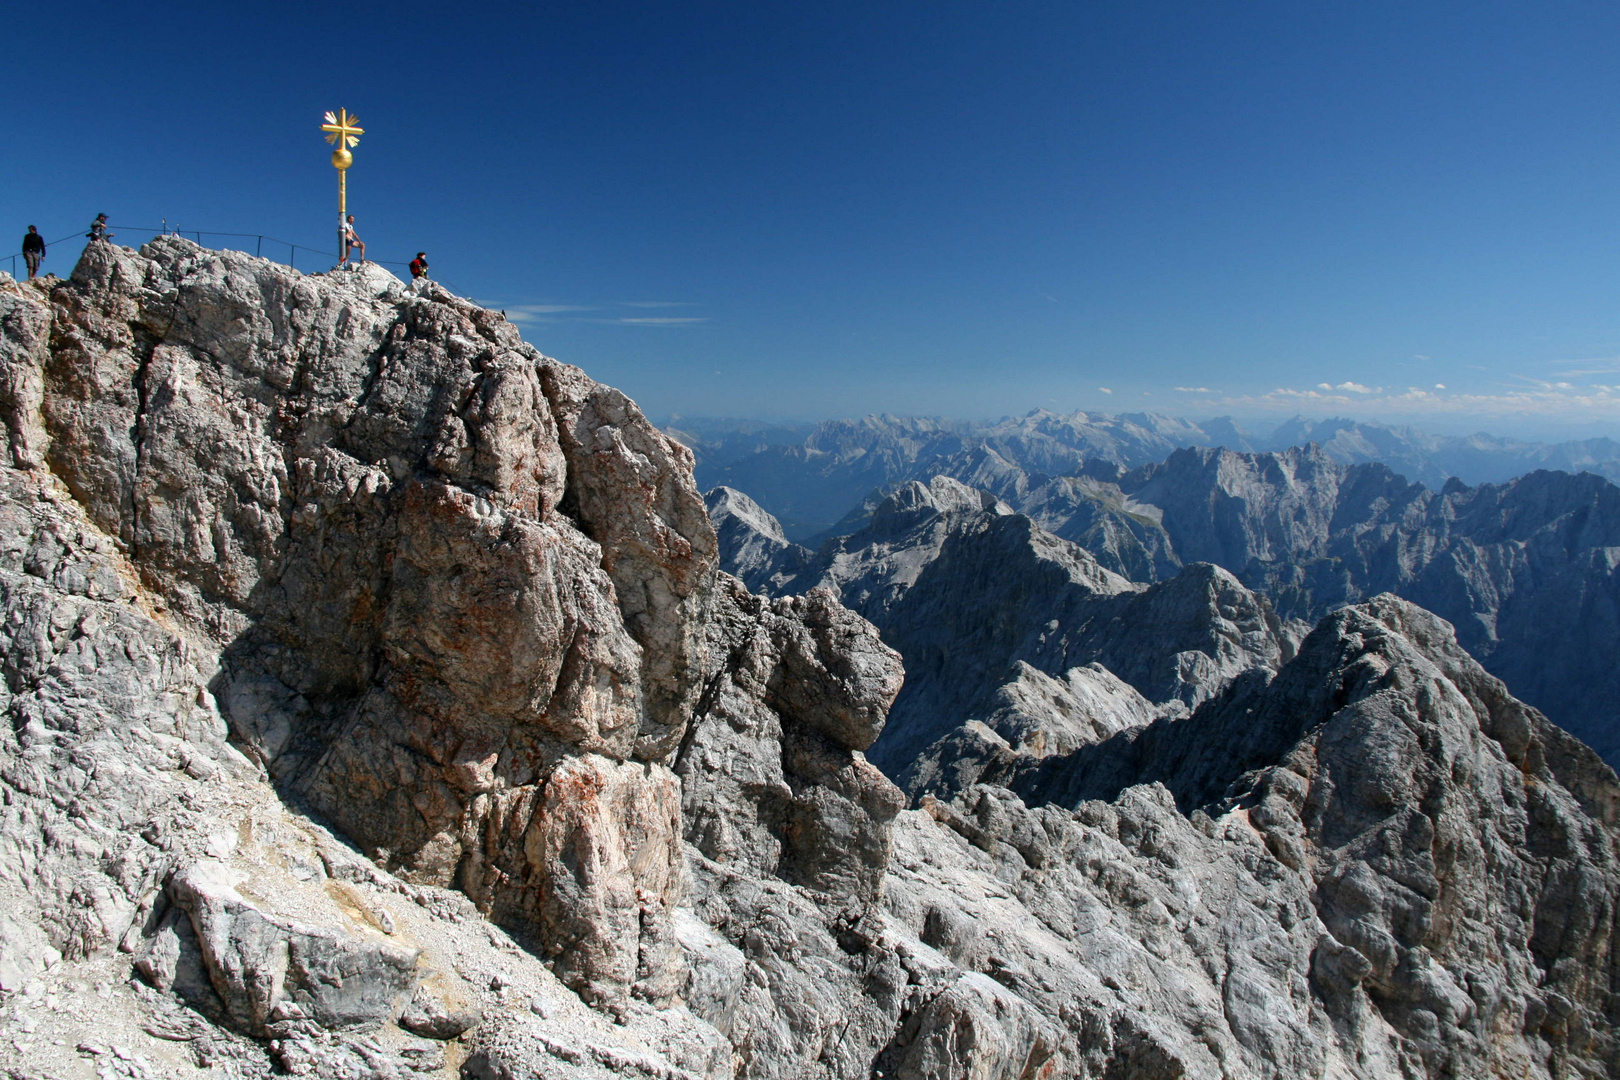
809 476
1525 570
988 609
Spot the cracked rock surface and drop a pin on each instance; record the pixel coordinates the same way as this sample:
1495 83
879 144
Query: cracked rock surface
376 709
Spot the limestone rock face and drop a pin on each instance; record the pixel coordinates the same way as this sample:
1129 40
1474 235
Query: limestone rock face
375 506
1431 819
772 774
604 848
632 489
265 970
277 547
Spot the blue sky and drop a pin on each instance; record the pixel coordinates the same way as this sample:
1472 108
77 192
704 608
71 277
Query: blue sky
1398 211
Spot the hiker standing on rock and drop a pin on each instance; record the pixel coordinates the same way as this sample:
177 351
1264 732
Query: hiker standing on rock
98 229
33 251
419 267
351 239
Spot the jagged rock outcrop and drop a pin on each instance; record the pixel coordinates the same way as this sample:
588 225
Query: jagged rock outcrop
1310 874
772 775
972 594
136 837
367 514
292 563
790 830
1448 836
631 488
356 489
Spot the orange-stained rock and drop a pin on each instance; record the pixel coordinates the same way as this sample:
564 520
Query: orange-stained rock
603 848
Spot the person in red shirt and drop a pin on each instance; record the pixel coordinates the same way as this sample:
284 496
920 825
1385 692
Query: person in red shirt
419 267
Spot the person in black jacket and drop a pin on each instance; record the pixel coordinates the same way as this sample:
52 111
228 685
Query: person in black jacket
33 251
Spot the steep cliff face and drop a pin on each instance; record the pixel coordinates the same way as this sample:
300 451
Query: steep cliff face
448 594
355 492
376 709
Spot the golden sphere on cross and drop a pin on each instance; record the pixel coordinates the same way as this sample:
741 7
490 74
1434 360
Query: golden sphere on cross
342 131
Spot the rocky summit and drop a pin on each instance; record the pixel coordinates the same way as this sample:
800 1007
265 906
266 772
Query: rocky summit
378 708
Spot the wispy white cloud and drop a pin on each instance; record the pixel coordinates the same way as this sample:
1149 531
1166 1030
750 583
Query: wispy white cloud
1420 356
1600 365
649 320
1192 390
656 303
534 313
1105 389
1563 400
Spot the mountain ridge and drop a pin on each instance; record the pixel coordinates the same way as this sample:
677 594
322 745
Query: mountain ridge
1507 564
808 476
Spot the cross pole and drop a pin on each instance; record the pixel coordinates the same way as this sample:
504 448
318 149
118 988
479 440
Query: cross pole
343 131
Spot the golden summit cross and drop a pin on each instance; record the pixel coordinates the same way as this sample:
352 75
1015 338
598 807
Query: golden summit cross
345 129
